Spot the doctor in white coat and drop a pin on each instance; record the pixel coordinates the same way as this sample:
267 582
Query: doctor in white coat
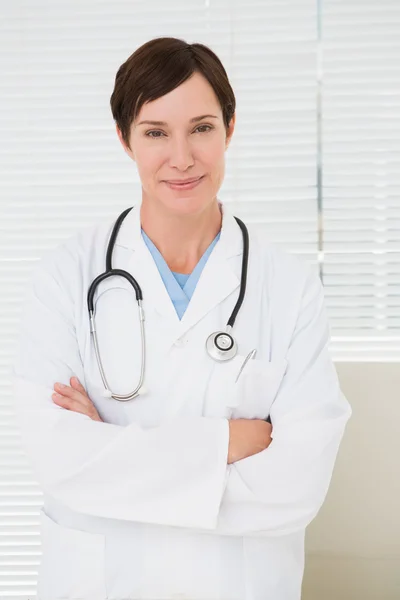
186 491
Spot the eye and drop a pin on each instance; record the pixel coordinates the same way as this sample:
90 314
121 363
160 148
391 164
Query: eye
209 127
149 133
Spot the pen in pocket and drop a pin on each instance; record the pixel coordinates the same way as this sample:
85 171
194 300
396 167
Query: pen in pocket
248 357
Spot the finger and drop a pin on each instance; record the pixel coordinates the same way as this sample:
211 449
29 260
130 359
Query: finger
68 403
76 384
69 392
76 401
76 406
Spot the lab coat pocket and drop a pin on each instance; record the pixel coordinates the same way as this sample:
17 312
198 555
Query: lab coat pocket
72 564
220 394
257 388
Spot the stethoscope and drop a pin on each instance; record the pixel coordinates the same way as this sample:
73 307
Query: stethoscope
220 346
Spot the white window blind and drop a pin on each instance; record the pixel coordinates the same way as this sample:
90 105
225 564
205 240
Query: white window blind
361 176
62 166
272 160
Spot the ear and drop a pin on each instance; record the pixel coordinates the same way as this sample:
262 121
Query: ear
230 130
126 148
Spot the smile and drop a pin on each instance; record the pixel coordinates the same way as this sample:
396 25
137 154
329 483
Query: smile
185 186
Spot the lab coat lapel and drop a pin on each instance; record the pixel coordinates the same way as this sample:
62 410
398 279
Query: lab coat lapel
143 268
218 278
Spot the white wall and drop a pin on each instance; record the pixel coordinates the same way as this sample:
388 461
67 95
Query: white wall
353 546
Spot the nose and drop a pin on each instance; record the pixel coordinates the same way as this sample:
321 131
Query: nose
181 154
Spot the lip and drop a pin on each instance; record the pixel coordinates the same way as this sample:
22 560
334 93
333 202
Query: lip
184 184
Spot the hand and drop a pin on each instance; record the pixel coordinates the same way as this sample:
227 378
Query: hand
75 398
247 437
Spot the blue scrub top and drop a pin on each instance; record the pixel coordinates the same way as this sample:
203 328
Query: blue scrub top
180 287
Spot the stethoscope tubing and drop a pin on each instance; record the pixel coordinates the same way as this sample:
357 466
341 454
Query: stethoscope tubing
110 272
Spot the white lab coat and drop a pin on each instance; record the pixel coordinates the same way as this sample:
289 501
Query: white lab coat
144 505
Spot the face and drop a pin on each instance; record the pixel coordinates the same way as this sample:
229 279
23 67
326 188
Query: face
181 136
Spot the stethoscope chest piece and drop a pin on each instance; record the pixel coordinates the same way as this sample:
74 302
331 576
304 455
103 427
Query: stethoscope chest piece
221 346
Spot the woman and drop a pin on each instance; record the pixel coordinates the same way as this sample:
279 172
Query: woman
178 492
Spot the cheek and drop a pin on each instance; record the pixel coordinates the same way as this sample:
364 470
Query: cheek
215 151
149 165
215 163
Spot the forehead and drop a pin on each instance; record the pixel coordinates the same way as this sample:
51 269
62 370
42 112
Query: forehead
193 97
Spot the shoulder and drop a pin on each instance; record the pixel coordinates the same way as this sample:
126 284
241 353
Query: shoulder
293 291
285 271
75 253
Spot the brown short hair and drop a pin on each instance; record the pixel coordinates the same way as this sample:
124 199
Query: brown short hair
158 67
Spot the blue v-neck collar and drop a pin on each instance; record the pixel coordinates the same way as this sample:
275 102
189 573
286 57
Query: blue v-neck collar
180 297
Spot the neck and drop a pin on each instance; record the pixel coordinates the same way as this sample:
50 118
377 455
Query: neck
181 239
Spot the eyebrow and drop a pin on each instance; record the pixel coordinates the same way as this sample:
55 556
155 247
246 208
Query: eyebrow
163 123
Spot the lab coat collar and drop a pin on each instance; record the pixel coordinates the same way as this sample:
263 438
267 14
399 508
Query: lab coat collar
218 278
130 235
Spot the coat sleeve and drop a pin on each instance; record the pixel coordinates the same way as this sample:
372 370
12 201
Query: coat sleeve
281 489
173 474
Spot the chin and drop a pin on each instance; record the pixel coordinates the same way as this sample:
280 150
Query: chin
188 204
